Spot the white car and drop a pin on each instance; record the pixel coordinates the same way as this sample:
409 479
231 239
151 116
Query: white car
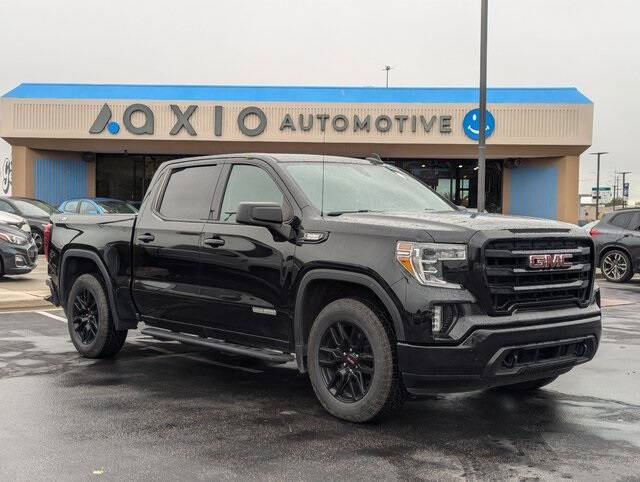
16 221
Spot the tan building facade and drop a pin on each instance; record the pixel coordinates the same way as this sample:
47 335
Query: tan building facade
106 140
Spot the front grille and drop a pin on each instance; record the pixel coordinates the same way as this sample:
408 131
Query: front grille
513 283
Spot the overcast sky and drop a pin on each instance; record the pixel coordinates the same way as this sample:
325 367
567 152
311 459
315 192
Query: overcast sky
593 45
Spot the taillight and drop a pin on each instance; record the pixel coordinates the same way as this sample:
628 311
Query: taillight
594 232
46 240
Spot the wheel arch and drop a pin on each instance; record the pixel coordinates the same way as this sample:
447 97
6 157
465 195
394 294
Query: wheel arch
612 247
90 259
301 323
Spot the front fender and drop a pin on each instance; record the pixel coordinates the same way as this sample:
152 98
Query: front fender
338 275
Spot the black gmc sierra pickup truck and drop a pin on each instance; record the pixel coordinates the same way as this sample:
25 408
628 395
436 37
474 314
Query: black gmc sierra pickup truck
372 282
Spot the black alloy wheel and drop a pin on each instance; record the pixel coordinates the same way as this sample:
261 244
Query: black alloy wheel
346 361
84 317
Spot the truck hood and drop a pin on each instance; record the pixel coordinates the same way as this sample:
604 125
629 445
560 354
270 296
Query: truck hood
456 226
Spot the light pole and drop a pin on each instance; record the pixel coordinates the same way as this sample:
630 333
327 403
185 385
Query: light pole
387 68
483 106
598 182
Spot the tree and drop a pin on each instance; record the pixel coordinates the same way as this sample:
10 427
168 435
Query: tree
618 201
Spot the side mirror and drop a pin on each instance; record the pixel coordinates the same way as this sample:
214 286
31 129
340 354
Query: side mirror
259 214
268 215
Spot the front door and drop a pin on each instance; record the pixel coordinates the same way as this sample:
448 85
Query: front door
246 273
167 244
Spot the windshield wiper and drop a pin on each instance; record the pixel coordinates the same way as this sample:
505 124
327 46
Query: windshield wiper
338 213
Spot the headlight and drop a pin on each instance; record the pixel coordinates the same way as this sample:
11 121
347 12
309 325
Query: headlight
26 228
13 239
423 261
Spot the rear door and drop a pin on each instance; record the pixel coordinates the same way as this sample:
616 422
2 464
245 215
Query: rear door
167 243
245 273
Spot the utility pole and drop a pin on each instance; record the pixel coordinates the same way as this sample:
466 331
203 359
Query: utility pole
482 165
387 68
598 182
624 177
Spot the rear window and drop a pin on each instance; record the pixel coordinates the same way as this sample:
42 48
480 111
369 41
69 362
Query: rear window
71 207
189 191
622 220
116 207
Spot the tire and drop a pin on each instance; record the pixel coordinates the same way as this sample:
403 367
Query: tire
361 401
90 322
524 387
39 240
616 266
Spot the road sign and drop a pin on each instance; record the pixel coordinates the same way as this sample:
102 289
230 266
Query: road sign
605 194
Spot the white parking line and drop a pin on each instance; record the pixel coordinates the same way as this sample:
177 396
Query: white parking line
51 315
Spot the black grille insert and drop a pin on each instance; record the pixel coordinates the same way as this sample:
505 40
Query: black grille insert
542 356
513 283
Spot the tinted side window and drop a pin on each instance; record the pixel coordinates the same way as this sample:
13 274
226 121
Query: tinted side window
248 184
622 220
6 207
189 191
71 207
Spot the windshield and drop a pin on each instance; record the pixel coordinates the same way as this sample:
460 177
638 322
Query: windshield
117 207
364 187
34 208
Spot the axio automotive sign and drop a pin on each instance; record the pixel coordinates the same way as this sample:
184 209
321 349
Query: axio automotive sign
5 177
252 122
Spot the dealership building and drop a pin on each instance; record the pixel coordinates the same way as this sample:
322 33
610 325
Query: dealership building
74 140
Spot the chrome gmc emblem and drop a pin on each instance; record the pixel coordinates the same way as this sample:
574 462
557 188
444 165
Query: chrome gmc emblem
547 261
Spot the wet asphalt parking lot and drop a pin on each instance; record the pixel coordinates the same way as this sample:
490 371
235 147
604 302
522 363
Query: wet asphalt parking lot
161 410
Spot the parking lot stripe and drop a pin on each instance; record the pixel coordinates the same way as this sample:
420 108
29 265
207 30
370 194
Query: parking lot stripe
51 315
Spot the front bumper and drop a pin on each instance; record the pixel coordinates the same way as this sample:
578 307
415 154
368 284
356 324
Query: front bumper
18 259
491 356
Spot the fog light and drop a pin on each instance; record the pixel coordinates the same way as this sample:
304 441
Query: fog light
436 319
442 318
20 261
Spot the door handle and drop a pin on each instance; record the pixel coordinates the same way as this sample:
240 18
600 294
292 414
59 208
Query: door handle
146 237
214 242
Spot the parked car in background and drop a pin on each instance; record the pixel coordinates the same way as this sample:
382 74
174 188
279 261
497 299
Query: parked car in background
16 221
617 240
98 205
18 251
587 227
37 213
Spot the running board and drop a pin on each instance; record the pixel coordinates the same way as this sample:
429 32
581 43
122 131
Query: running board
262 354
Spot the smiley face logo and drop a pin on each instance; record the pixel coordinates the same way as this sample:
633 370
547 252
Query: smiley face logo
471 124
